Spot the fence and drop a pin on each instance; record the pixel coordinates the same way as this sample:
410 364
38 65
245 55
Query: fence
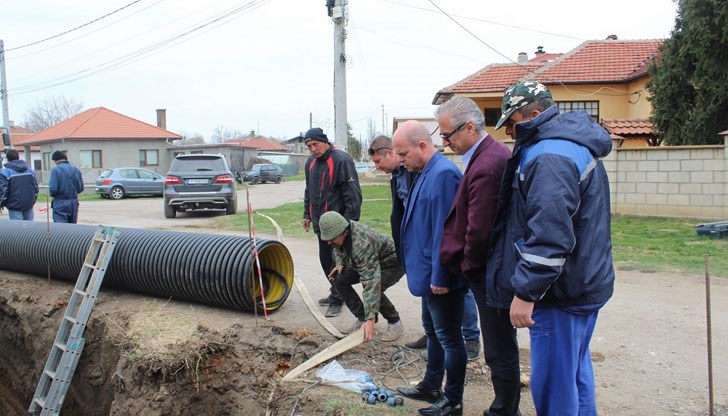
681 181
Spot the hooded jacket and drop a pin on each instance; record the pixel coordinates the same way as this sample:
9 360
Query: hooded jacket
18 186
332 184
551 241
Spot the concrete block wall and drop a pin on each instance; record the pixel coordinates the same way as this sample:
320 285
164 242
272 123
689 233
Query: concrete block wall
681 181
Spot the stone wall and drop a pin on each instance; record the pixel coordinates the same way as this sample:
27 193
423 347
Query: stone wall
681 181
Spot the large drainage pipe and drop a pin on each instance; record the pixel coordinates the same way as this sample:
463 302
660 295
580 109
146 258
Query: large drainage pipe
216 270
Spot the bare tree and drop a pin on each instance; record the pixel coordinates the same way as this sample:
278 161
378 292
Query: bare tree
50 111
191 138
222 134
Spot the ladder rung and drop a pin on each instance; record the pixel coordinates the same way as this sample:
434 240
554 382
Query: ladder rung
49 373
80 292
69 319
60 346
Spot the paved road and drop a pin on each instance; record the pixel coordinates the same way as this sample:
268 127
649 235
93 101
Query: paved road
147 212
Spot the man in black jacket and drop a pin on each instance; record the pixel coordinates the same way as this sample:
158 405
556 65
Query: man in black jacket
332 184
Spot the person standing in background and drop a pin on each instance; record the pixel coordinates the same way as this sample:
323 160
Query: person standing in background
64 186
332 184
18 187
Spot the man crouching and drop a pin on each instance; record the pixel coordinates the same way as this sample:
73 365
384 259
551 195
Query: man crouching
363 255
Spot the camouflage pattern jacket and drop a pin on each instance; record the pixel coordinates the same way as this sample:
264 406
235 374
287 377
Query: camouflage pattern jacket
367 251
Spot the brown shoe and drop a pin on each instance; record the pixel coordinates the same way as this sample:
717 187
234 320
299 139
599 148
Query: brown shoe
417 344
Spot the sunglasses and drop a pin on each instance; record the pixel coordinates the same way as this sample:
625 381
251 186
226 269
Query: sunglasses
375 150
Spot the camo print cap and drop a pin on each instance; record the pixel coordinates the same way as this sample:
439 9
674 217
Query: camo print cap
520 95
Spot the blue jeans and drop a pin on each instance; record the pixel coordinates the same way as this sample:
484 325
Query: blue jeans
562 377
442 317
26 215
471 332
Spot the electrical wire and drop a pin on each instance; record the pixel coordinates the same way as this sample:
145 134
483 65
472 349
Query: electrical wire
144 52
75 28
529 71
487 21
85 34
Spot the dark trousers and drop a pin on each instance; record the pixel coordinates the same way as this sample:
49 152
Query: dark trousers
442 317
326 257
65 210
349 277
500 348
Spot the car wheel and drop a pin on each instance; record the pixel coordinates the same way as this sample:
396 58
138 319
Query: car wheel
232 207
116 192
255 180
169 211
278 179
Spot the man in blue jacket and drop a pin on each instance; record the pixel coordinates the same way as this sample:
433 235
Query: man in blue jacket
18 187
442 292
64 186
551 252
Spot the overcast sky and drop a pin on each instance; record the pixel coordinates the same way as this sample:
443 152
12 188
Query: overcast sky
265 65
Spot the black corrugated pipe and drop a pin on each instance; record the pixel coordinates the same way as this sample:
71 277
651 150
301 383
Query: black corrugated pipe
217 270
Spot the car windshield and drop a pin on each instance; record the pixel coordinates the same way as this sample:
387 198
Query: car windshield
106 173
256 168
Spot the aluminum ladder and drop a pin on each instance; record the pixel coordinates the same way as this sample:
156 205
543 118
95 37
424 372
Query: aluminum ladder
69 342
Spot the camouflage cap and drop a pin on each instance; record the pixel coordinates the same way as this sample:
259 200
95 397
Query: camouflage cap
332 224
520 95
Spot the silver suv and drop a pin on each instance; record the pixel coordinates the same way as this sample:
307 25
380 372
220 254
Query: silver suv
199 181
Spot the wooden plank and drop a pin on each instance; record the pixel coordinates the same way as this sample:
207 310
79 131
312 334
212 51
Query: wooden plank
313 308
341 346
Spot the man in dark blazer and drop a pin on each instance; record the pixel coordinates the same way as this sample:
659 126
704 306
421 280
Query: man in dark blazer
466 235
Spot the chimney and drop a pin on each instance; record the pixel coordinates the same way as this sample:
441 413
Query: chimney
522 57
540 51
162 118
252 133
612 37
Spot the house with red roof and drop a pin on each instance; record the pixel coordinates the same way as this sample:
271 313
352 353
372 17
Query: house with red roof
607 78
99 138
263 144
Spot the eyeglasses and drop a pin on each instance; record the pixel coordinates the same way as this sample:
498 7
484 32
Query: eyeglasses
375 150
446 136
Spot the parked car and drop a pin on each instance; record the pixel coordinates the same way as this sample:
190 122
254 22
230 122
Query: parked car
264 172
199 181
118 183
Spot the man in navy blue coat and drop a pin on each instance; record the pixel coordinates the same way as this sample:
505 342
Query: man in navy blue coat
64 186
18 187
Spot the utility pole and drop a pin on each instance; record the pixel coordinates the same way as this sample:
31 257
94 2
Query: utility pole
384 122
339 14
4 96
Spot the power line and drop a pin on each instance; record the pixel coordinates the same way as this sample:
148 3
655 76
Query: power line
485 21
75 28
141 53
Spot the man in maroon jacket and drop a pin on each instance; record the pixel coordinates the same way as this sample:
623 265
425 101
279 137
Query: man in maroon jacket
465 240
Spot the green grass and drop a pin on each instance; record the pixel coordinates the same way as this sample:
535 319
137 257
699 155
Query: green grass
656 244
376 206
647 244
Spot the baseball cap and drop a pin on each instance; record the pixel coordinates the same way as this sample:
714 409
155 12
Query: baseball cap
520 95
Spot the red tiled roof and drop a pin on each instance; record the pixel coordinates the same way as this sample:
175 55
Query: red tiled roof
100 123
260 143
622 127
601 61
594 61
492 78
